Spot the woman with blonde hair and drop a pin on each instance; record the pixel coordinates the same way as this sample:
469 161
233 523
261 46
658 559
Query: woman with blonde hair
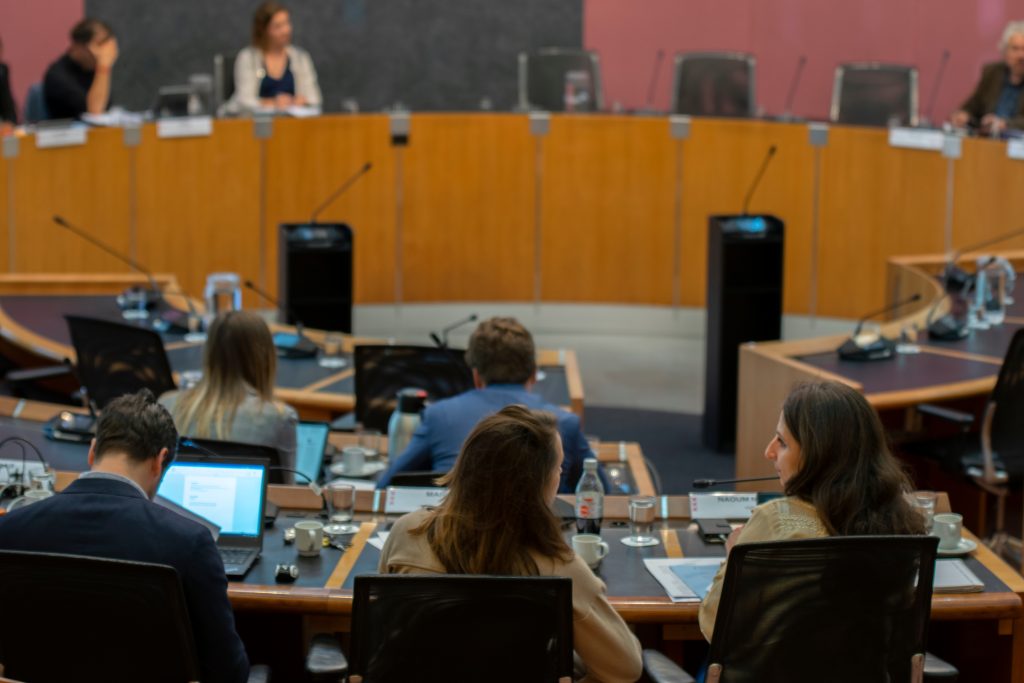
234 401
497 519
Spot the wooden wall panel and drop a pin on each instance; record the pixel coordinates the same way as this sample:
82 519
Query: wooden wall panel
89 186
468 219
607 210
989 197
198 204
307 160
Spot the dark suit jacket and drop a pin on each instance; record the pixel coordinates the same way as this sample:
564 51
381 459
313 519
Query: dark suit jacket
986 96
8 112
111 519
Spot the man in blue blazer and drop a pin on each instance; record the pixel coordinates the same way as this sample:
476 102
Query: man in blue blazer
108 512
503 359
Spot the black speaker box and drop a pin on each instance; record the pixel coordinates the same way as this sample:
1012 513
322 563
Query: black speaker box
315 274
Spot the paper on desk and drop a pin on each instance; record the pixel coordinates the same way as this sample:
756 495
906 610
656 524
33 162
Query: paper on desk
378 540
953 576
663 569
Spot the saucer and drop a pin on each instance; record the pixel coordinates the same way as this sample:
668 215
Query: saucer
966 546
338 469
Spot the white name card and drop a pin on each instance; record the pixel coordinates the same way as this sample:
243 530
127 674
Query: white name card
726 505
71 136
916 138
1015 149
185 127
402 499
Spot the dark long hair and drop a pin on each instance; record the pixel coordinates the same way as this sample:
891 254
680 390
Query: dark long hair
495 512
847 471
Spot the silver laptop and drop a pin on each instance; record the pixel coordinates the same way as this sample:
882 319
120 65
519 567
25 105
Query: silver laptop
229 492
311 444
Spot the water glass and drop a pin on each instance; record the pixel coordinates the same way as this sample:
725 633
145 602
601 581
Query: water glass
341 504
332 356
641 522
369 440
925 502
134 304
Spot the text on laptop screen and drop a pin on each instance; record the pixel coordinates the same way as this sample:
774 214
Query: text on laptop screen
229 495
310 441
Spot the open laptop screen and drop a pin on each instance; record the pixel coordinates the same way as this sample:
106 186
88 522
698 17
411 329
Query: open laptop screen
310 441
228 494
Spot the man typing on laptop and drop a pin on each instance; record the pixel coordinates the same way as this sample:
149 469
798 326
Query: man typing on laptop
108 513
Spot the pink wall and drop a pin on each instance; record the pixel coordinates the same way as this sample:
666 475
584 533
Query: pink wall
628 33
34 33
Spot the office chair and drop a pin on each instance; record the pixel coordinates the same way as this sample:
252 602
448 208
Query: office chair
995 462
35 104
714 84
223 81
73 618
462 628
873 94
549 77
844 609
116 359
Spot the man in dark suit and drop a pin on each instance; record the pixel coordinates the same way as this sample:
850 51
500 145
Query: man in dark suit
79 81
503 359
996 103
8 112
108 512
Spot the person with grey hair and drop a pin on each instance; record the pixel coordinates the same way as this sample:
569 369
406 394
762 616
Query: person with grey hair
996 103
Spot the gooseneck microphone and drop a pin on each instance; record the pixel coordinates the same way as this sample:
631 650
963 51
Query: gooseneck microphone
123 258
708 483
872 347
757 179
658 59
787 112
299 347
935 87
341 190
442 340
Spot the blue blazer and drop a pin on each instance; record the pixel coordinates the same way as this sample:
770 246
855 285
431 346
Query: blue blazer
445 425
111 519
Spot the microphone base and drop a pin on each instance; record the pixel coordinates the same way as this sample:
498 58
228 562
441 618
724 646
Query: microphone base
880 349
296 349
947 328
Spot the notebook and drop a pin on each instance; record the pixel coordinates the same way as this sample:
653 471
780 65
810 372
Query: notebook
953 576
311 444
230 493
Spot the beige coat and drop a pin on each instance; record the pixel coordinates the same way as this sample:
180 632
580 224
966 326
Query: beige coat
249 72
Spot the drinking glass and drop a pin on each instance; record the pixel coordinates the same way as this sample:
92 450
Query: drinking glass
925 502
370 440
341 504
641 522
134 304
332 356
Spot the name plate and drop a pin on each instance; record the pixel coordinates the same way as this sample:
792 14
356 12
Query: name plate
916 138
1015 149
72 136
185 127
402 499
724 505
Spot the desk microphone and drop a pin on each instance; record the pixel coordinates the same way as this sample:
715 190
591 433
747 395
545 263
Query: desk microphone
299 347
757 179
442 341
935 88
708 483
341 190
787 112
871 347
658 59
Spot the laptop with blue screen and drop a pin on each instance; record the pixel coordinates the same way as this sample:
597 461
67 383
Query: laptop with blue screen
228 492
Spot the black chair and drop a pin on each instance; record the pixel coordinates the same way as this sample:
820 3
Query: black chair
547 76
381 371
995 462
461 628
714 84
116 359
73 618
874 94
223 80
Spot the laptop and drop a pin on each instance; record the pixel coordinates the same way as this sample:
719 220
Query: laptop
228 492
311 444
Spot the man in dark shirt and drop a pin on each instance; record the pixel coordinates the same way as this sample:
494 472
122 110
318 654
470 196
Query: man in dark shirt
996 103
79 82
8 112
108 512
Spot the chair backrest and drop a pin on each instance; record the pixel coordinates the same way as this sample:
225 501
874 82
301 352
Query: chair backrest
461 628
560 79
841 609
72 618
1007 429
223 79
35 104
714 84
382 370
873 94
116 359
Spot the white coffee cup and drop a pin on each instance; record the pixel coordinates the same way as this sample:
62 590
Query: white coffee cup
948 526
353 460
590 548
30 496
309 537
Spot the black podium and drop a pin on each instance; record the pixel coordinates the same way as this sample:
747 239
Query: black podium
744 303
315 274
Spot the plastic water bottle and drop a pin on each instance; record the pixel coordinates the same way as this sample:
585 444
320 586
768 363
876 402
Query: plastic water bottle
404 420
589 500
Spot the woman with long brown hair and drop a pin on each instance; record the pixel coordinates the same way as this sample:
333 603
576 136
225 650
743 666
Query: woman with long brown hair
234 401
837 473
497 519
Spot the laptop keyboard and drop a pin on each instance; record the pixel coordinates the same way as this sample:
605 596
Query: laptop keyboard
235 556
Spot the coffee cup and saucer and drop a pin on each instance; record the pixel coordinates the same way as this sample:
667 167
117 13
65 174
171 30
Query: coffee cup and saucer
948 526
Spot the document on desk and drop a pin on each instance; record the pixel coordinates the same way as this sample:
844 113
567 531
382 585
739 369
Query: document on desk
953 576
684 579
